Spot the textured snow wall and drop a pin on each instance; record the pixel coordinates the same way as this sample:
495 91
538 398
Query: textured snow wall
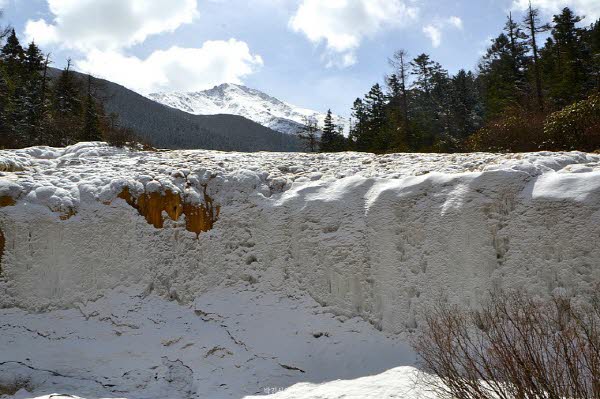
375 236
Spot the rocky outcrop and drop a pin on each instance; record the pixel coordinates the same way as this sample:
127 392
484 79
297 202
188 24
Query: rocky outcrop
4 201
7 201
199 218
2 245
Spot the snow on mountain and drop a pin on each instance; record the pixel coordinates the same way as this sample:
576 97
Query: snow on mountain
222 275
243 101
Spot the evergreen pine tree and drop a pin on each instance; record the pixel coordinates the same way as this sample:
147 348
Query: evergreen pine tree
501 77
430 103
91 121
12 55
67 107
375 113
394 90
422 69
402 67
534 27
328 139
591 37
518 53
359 124
6 137
565 59
340 139
466 110
30 105
33 60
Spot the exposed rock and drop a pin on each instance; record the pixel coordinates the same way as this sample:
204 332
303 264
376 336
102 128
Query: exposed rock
2 245
199 218
7 201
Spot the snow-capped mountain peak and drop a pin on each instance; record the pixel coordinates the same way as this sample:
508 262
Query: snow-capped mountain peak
229 98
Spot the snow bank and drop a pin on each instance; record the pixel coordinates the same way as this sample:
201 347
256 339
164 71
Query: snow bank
221 275
378 237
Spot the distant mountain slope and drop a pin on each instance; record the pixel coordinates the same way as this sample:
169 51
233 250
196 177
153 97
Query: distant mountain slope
166 127
244 101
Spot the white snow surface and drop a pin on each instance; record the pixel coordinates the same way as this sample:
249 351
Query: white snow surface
317 270
250 103
230 342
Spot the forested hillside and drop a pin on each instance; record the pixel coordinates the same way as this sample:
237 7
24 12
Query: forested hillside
40 105
166 127
35 110
536 88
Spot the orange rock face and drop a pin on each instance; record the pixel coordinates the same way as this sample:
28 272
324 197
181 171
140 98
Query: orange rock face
7 201
199 218
4 201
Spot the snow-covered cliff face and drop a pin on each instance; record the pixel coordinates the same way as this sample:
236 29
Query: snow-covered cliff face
372 236
249 103
207 274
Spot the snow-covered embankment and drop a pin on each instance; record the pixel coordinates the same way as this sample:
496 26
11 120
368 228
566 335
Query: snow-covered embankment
375 237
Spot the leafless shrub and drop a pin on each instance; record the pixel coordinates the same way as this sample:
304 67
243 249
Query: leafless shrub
516 346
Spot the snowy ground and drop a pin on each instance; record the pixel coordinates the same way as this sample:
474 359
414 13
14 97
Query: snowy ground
229 343
315 270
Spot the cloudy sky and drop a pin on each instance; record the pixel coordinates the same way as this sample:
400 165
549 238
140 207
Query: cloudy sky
314 53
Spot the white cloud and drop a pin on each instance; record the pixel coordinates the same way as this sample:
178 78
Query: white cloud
434 30
102 31
343 24
434 34
109 24
175 69
589 8
456 22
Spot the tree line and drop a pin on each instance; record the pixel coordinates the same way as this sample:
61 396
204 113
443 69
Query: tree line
36 109
523 96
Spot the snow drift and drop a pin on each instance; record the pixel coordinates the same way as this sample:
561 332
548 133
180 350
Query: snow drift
369 241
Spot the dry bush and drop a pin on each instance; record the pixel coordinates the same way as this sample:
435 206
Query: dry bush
576 127
514 131
123 137
514 347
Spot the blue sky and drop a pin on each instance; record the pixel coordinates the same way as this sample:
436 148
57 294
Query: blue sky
314 53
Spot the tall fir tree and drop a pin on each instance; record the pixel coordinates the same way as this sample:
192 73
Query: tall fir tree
535 28
91 121
564 59
328 137
466 112
375 113
6 137
501 81
402 67
12 56
518 53
30 101
67 107
591 38
430 102
358 125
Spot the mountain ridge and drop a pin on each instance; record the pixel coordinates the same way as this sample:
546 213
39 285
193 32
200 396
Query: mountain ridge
166 127
253 104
